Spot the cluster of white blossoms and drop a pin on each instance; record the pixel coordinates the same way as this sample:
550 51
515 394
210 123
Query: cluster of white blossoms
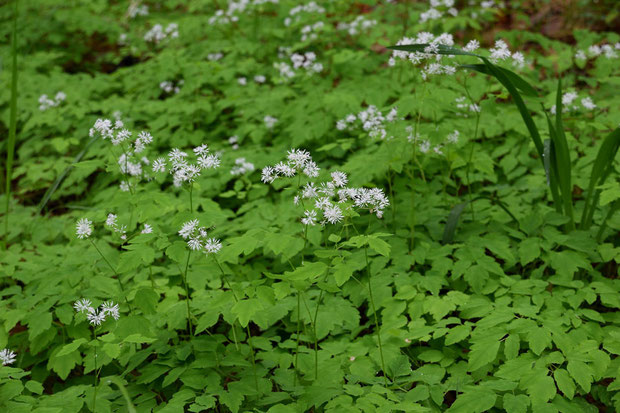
197 238
569 103
306 61
594 51
234 142
425 146
235 8
294 14
241 167
112 222
359 24
136 9
129 162
371 120
297 161
96 316
183 171
214 57
258 79
328 198
461 103
45 102
158 33
270 121
438 9
311 31
7 357
170 86
434 62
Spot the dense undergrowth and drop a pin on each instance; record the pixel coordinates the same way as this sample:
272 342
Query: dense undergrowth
260 206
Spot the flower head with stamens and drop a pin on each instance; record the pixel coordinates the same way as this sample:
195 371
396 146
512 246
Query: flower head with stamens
83 228
7 357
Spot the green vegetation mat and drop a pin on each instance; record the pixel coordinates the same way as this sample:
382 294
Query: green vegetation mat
309 206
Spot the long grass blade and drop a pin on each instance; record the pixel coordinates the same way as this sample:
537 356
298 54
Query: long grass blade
562 159
518 81
548 162
10 150
52 189
602 167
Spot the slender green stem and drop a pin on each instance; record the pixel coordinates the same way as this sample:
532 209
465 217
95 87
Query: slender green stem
247 327
10 150
189 314
191 201
471 151
118 277
96 373
374 311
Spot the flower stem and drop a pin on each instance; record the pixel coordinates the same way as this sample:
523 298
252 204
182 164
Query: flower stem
118 277
374 311
247 327
189 314
96 374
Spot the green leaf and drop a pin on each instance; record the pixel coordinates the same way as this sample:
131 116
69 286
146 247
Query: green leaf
308 271
515 404
246 309
539 339
457 334
565 383
541 387
146 299
379 246
70 348
483 353
529 250
177 252
473 400
581 373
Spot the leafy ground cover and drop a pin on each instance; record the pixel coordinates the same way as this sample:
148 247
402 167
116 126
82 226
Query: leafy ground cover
327 206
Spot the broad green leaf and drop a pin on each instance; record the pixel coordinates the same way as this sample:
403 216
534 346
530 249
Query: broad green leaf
564 382
473 400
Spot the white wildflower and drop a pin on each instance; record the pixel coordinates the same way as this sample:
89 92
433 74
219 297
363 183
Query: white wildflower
83 228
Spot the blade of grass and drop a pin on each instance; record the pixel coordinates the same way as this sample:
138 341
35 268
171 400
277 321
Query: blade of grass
518 81
457 210
50 191
562 158
602 167
548 161
10 150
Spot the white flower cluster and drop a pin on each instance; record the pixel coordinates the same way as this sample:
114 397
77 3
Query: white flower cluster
569 104
438 9
45 102
429 53
83 228
594 51
462 104
356 26
306 61
331 198
118 134
137 9
7 357
158 33
214 57
241 167
128 162
112 222
96 316
258 79
170 86
425 146
235 7
294 13
502 52
270 121
197 238
310 31
181 169
234 142
298 160
372 121
499 52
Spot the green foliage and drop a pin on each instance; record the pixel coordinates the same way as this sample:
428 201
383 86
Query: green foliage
488 284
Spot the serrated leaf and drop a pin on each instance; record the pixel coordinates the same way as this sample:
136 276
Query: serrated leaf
71 347
474 400
564 382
